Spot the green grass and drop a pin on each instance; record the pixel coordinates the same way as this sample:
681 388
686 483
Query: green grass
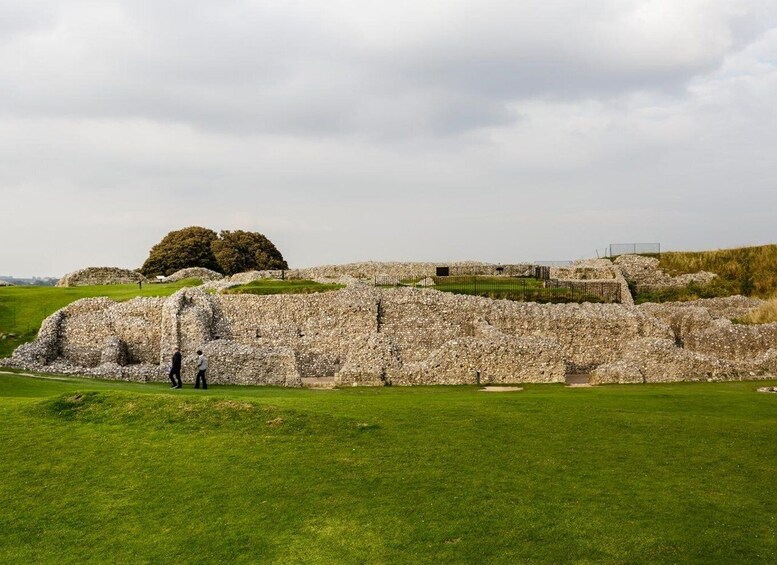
274 286
693 291
751 271
510 288
23 308
97 471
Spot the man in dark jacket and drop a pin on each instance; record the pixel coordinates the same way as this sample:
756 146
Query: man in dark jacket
175 370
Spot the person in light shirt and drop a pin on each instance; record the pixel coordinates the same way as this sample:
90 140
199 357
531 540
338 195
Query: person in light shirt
202 366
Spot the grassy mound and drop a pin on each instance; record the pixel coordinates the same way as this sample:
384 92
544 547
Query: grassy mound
751 271
274 286
23 308
191 414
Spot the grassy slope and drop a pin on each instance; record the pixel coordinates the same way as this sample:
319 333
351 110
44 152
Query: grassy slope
654 473
23 308
273 286
746 270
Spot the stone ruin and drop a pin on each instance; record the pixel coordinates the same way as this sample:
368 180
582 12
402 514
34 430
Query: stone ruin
100 276
645 273
205 275
364 335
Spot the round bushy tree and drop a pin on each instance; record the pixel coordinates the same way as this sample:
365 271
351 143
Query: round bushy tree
239 251
189 247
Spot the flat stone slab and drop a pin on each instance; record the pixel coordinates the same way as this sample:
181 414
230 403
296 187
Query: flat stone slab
501 388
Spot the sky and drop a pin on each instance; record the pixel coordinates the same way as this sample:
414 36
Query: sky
344 131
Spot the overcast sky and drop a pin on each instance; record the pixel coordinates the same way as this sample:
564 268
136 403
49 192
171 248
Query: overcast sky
423 130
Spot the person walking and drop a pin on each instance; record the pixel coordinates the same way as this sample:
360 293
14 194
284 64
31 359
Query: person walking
175 370
202 366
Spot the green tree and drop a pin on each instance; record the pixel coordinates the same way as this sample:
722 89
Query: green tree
239 251
188 247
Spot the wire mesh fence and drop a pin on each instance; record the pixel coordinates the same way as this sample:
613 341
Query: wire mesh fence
635 249
524 289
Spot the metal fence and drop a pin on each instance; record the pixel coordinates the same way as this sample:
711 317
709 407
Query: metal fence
522 289
634 249
512 270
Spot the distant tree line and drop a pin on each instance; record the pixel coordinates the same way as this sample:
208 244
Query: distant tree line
227 252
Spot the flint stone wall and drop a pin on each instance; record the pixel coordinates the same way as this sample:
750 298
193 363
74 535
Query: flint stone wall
205 275
101 275
593 271
409 270
403 336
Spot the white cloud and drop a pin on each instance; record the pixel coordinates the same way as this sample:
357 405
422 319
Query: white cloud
356 130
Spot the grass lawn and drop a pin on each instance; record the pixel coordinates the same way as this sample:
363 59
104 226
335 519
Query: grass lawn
23 308
513 288
275 286
96 471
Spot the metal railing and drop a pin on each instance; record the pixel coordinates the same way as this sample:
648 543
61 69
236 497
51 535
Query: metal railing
634 249
524 289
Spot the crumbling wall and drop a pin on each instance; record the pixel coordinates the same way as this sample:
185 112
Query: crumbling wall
201 273
101 275
372 336
645 273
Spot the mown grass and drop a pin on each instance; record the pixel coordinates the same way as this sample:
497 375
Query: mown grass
274 286
512 288
96 472
23 308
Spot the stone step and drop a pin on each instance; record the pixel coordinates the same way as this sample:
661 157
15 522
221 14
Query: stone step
318 382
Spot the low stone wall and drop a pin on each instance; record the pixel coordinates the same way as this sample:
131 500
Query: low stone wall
403 336
587 269
592 271
201 273
101 275
409 270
